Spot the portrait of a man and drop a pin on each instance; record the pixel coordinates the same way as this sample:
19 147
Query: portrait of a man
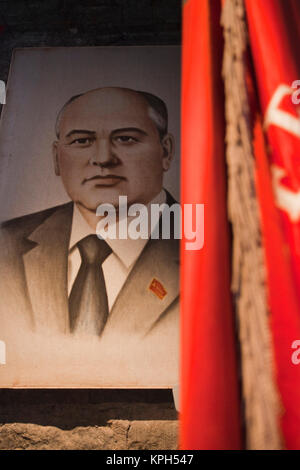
67 286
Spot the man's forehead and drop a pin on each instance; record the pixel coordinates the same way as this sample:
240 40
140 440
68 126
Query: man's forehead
112 107
107 101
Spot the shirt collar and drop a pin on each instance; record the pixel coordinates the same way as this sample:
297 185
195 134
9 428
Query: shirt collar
127 250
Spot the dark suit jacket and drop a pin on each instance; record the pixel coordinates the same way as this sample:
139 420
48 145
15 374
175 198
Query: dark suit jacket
34 262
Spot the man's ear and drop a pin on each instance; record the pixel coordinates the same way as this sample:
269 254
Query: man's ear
168 144
55 158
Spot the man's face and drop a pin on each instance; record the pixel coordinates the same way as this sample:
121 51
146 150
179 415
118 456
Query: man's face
108 147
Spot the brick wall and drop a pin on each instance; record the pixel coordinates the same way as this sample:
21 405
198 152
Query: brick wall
87 419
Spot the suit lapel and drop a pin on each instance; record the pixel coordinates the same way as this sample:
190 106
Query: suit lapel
46 270
138 308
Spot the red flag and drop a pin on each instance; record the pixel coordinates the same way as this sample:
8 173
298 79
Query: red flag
209 386
274 29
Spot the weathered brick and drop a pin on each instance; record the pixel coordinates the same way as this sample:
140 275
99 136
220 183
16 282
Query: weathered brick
87 419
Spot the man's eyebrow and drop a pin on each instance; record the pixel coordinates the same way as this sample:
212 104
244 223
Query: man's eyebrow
80 131
129 129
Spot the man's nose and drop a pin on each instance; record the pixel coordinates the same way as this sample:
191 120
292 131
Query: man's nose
103 154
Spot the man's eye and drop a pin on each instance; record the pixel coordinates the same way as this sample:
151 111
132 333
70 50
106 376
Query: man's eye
125 139
82 141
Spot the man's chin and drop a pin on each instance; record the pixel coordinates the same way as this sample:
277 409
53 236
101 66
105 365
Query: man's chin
92 205
94 198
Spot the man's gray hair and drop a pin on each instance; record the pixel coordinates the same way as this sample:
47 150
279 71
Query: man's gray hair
158 111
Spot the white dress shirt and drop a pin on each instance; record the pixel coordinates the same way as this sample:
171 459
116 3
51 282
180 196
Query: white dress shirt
118 264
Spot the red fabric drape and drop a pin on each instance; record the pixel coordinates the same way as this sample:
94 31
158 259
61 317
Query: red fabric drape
209 386
274 28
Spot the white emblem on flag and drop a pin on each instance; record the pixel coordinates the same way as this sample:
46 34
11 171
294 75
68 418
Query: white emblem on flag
276 116
286 199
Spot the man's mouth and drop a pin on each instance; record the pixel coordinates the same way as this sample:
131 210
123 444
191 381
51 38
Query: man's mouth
104 181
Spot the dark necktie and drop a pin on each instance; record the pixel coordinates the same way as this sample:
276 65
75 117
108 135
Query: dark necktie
88 305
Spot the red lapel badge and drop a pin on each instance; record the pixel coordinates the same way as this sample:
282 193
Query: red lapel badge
158 289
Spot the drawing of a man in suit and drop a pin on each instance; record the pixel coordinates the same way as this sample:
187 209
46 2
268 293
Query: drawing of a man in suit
58 275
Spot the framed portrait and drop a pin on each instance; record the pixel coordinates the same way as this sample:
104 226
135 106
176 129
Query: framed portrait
89 140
